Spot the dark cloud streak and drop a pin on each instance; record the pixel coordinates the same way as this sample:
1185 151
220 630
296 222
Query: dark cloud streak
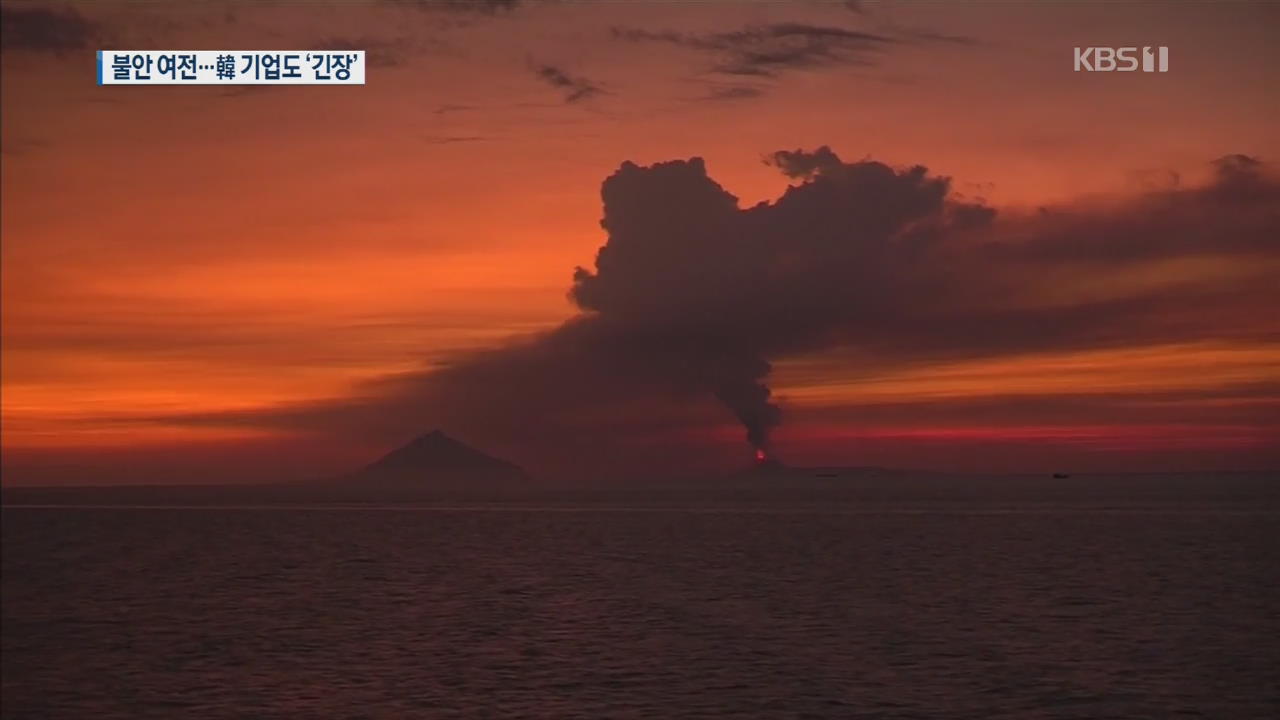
378 53
575 88
766 50
733 92
478 7
44 30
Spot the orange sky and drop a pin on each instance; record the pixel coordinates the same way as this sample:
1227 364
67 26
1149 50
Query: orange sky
176 251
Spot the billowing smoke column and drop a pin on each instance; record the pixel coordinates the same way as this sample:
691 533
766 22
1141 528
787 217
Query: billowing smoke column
748 399
706 292
692 296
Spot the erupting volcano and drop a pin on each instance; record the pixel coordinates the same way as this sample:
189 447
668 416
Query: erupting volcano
766 461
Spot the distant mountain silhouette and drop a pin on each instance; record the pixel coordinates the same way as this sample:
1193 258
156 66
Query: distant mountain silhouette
436 451
435 460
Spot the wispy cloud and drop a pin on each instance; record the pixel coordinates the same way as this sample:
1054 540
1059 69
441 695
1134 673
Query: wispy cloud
479 7
733 92
453 139
44 30
767 50
378 52
574 88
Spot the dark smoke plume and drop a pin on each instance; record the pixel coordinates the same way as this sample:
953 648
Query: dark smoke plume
716 290
692 296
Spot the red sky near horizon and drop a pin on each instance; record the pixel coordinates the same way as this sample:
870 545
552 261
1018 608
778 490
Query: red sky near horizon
176 255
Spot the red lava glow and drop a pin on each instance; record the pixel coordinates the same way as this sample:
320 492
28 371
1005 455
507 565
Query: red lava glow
760 456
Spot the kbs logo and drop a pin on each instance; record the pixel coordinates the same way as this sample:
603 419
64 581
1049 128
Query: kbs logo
1125 59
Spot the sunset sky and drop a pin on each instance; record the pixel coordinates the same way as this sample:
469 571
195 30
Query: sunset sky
237 284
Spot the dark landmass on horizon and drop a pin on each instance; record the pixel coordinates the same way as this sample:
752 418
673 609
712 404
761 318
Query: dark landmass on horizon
435 468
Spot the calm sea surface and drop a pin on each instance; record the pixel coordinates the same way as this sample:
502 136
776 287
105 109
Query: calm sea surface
943 609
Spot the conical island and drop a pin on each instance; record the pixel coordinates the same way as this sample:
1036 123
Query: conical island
435 461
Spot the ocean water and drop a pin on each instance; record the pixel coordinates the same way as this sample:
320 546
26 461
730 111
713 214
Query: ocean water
597 610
